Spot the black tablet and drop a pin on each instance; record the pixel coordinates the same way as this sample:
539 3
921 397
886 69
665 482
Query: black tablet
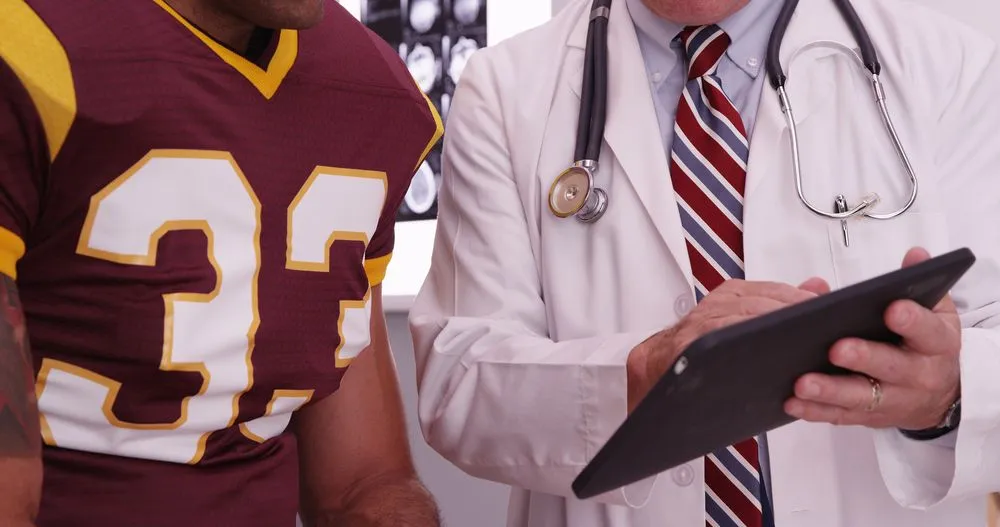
732 384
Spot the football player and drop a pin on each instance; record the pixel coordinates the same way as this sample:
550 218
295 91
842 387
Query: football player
197 201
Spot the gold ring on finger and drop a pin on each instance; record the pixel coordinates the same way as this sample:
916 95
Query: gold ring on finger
876 395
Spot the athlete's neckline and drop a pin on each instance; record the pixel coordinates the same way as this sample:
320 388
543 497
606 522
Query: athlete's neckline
266 80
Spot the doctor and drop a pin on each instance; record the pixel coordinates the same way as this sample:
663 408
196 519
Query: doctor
535 334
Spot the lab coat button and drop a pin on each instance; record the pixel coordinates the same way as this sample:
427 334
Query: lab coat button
683 475
683 305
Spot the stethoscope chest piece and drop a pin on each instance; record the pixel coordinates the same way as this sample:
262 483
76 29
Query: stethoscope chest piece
573 193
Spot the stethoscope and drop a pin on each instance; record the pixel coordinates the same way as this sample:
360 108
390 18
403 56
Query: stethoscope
574 192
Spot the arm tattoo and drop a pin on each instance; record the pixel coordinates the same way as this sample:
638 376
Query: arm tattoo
19 424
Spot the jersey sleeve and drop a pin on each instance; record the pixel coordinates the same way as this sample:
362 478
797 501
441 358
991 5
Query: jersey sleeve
23 159
37 108
412 140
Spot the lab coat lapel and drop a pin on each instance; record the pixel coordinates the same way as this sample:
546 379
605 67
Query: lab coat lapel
814 22
632 131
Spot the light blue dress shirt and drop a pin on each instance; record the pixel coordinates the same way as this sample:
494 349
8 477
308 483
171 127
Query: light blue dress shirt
741 73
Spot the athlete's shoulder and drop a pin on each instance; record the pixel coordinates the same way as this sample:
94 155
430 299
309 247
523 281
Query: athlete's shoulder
97 26
342 51
357 67
37 78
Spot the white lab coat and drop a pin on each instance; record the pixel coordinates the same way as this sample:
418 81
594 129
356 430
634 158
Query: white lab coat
523 326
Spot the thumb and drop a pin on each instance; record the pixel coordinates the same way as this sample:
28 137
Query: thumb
918 255
815 285
915 256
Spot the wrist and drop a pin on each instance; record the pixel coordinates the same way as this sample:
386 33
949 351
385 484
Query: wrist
948 423
636 366
642 366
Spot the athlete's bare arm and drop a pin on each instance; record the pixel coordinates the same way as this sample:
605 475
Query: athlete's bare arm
354 453
20 440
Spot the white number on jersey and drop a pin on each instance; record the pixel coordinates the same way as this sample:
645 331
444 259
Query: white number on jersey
212 334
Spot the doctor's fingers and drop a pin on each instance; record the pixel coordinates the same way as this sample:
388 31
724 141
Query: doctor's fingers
693 327
887 363
709 317
755 306
781 292
849 400
925 331
850 392
836 415
817 285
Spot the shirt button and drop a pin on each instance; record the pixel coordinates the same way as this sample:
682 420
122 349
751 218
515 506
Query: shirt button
753 62
683 475
657 77
683 305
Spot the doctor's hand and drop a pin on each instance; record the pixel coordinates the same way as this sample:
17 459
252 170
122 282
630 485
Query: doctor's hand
918 380
732 302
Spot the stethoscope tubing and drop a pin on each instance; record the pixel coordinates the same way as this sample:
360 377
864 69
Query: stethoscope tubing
868 54
594 94
868 57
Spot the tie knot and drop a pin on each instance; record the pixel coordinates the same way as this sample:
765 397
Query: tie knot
704 47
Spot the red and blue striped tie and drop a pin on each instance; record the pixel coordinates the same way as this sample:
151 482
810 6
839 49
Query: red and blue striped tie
708 166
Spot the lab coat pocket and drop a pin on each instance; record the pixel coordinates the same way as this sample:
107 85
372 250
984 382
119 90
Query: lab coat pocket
878 246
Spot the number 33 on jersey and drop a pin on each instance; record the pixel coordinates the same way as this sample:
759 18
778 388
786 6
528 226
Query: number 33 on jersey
211 333
195 268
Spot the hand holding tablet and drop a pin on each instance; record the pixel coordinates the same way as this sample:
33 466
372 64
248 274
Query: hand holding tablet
734 382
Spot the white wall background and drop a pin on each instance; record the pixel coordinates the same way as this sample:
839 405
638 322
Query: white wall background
467 502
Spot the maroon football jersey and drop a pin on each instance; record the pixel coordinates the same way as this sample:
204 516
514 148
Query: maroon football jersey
195 237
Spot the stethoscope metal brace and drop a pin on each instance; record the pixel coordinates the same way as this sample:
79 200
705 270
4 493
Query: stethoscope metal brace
575 193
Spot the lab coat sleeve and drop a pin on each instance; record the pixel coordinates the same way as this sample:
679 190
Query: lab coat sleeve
967 463
497 397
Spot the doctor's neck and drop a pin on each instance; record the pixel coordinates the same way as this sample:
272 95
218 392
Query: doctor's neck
694 12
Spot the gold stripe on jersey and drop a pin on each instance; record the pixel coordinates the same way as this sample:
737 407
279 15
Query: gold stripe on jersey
376 268
267 80
30 48
11 250
438 131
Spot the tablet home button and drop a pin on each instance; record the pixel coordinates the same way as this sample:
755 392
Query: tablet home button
683 305
683 475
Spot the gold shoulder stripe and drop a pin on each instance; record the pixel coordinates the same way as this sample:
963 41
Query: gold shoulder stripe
376 269
11 250
438 131
30 48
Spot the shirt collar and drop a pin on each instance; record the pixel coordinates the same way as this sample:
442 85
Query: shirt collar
749 29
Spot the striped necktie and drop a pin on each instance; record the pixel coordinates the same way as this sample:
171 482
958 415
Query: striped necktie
708 165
